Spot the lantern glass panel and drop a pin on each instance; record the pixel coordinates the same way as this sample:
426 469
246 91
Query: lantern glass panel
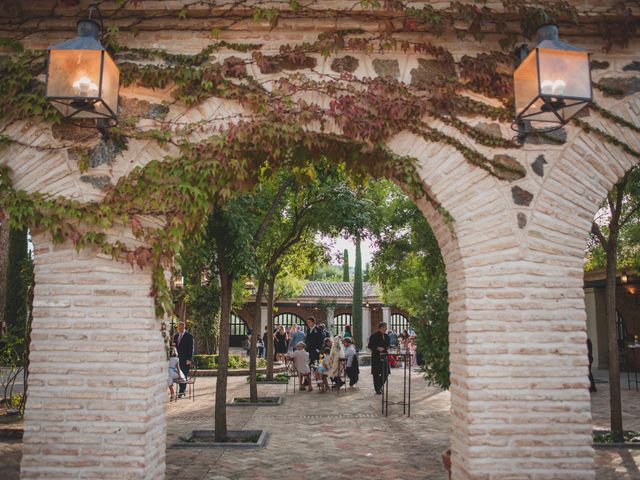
526 82
74 74
564 73
110 83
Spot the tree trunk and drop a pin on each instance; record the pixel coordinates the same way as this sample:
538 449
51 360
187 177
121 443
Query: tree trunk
253 350
615 402
4 262
226 281
270 350
357 298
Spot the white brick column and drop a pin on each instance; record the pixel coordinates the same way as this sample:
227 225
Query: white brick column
263 320
386 316
329 315
98 370
366 327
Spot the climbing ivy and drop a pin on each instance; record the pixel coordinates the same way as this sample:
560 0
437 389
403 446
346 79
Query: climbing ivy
279 129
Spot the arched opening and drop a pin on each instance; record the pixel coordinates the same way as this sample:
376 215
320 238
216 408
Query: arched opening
288 319
340 322
239 331
399 323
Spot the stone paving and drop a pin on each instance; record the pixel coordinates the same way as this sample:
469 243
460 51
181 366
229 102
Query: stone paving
318 436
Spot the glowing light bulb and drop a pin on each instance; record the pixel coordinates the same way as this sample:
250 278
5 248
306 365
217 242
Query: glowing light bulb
547 87
85 87
558 87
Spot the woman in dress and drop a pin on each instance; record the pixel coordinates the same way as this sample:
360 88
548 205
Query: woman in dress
347 331
175 374
280 343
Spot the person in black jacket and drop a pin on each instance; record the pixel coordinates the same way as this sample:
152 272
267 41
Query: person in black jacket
314 340
183 341
592 383
379 343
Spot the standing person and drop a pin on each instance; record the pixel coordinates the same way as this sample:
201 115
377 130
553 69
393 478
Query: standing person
183 341
393 339
592 382
265 341
378 344
296 335
314 340
347 331
280 339
260 345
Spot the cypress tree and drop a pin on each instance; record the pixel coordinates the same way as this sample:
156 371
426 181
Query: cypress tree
345 266
357 298
15 309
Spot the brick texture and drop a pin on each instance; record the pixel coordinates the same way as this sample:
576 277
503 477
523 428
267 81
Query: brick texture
519 399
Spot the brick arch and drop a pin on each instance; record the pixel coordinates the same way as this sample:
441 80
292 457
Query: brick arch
512 270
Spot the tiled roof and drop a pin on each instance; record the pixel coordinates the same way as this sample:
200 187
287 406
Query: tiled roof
337 290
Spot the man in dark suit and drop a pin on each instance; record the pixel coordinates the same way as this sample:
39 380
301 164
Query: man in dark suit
183 342
379 343
314 340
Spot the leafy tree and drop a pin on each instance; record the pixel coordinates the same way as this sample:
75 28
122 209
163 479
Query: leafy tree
326 273
345 266
227 228
408 267
619 222
199 301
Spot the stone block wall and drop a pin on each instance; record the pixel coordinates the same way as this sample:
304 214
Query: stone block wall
97 375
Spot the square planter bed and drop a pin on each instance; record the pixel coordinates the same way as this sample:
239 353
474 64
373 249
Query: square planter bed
262 402
600 440
236 439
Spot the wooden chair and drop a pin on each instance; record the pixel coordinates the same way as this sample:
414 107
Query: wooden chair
190 382
342 374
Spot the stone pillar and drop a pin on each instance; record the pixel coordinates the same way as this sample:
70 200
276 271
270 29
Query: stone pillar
386 316
264 311
98 370
366 327
329 316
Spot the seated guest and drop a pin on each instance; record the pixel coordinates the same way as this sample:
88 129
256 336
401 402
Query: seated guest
175 374
337 353
323 371
353 371
300 358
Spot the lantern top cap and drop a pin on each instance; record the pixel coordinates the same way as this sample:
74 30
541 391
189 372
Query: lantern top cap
547 37
88 33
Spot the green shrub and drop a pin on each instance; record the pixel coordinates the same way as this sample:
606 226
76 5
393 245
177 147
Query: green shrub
235 361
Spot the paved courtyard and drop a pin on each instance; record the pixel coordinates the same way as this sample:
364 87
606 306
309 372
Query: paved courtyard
318 436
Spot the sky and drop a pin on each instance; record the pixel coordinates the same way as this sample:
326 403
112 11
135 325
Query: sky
339 244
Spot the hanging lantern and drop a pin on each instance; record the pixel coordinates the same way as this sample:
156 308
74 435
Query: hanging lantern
552 83
82 78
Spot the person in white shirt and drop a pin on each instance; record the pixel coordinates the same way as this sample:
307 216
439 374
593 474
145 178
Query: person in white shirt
300 359
351 355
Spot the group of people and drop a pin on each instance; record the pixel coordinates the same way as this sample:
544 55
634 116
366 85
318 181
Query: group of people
180 360
313 354
320 355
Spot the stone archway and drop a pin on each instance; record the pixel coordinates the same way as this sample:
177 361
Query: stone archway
513 260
